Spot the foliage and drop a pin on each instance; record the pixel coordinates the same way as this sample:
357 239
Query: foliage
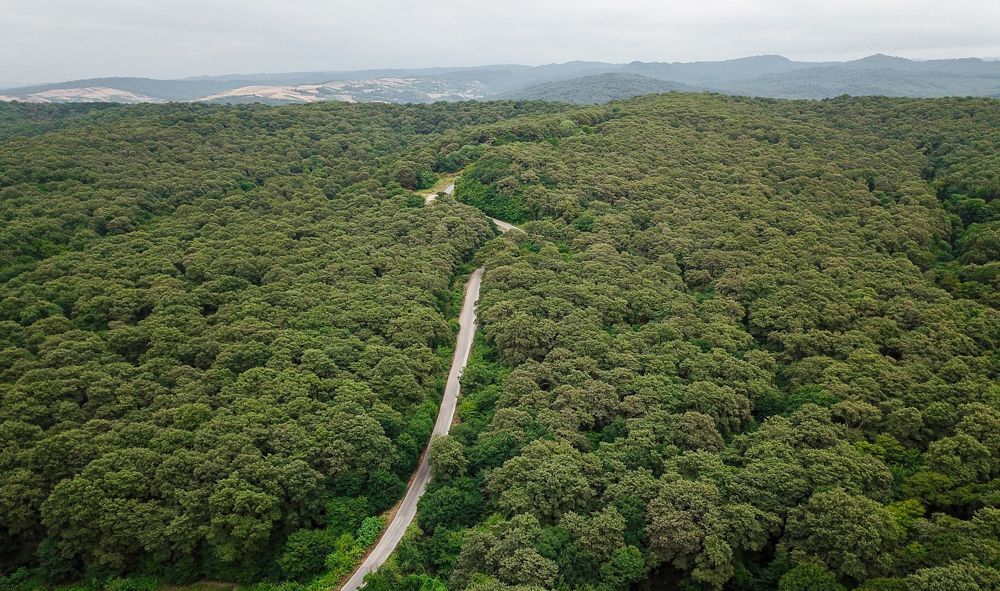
763 332
132 584
741 343
305 553
219 326
344 514
458 503
809 576
447 458
599 88
369 531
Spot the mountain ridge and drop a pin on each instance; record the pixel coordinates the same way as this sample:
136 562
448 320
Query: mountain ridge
600 88
768 75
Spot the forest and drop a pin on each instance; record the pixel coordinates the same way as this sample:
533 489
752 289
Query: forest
218 327
741 344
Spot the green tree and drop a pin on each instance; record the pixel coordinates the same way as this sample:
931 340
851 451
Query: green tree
447 458
547 479
625 566
853 535
809 576
305 552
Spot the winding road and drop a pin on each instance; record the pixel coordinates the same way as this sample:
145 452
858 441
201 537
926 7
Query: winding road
501 225
407 509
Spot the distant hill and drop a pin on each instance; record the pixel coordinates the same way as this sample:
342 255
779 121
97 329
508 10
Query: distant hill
878 75
599 88
156 90
720 73
577 82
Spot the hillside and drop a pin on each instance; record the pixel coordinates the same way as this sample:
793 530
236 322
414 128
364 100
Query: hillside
741 343
721 73
879 75
155 90
600 88
698 361
581 82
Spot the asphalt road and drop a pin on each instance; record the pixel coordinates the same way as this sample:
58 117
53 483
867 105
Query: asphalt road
408 508
418 482
504 226
501 225
430 197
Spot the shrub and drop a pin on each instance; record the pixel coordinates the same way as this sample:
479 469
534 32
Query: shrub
137 583
369 531
305 552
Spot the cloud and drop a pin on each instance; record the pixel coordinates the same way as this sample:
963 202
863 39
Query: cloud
66 39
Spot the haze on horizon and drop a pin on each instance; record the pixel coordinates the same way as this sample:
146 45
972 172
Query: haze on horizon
52 40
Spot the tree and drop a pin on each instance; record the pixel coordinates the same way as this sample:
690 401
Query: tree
506 551
447 458
809 576
680 518
522 337
957 576
199 346
455 504
961 458
547 479
305 553
344 514
625 566
383 490
852 534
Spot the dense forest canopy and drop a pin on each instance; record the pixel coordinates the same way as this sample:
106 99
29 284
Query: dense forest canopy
742 344
213 324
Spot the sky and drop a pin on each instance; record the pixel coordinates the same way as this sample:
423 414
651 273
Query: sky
54 40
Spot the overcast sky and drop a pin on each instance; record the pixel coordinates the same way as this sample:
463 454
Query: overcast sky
51 40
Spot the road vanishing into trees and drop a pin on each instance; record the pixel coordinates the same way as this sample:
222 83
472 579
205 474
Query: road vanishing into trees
502 225
407 509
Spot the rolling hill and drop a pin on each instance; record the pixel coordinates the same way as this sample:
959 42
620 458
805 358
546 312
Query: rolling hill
599 88
578 81
737 344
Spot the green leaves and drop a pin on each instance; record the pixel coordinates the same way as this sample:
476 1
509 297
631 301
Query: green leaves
447 459
853 535
736 333
305 552
189 294
548 479
734 295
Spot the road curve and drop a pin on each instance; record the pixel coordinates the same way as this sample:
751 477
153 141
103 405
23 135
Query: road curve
501 225
431 197
408 507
